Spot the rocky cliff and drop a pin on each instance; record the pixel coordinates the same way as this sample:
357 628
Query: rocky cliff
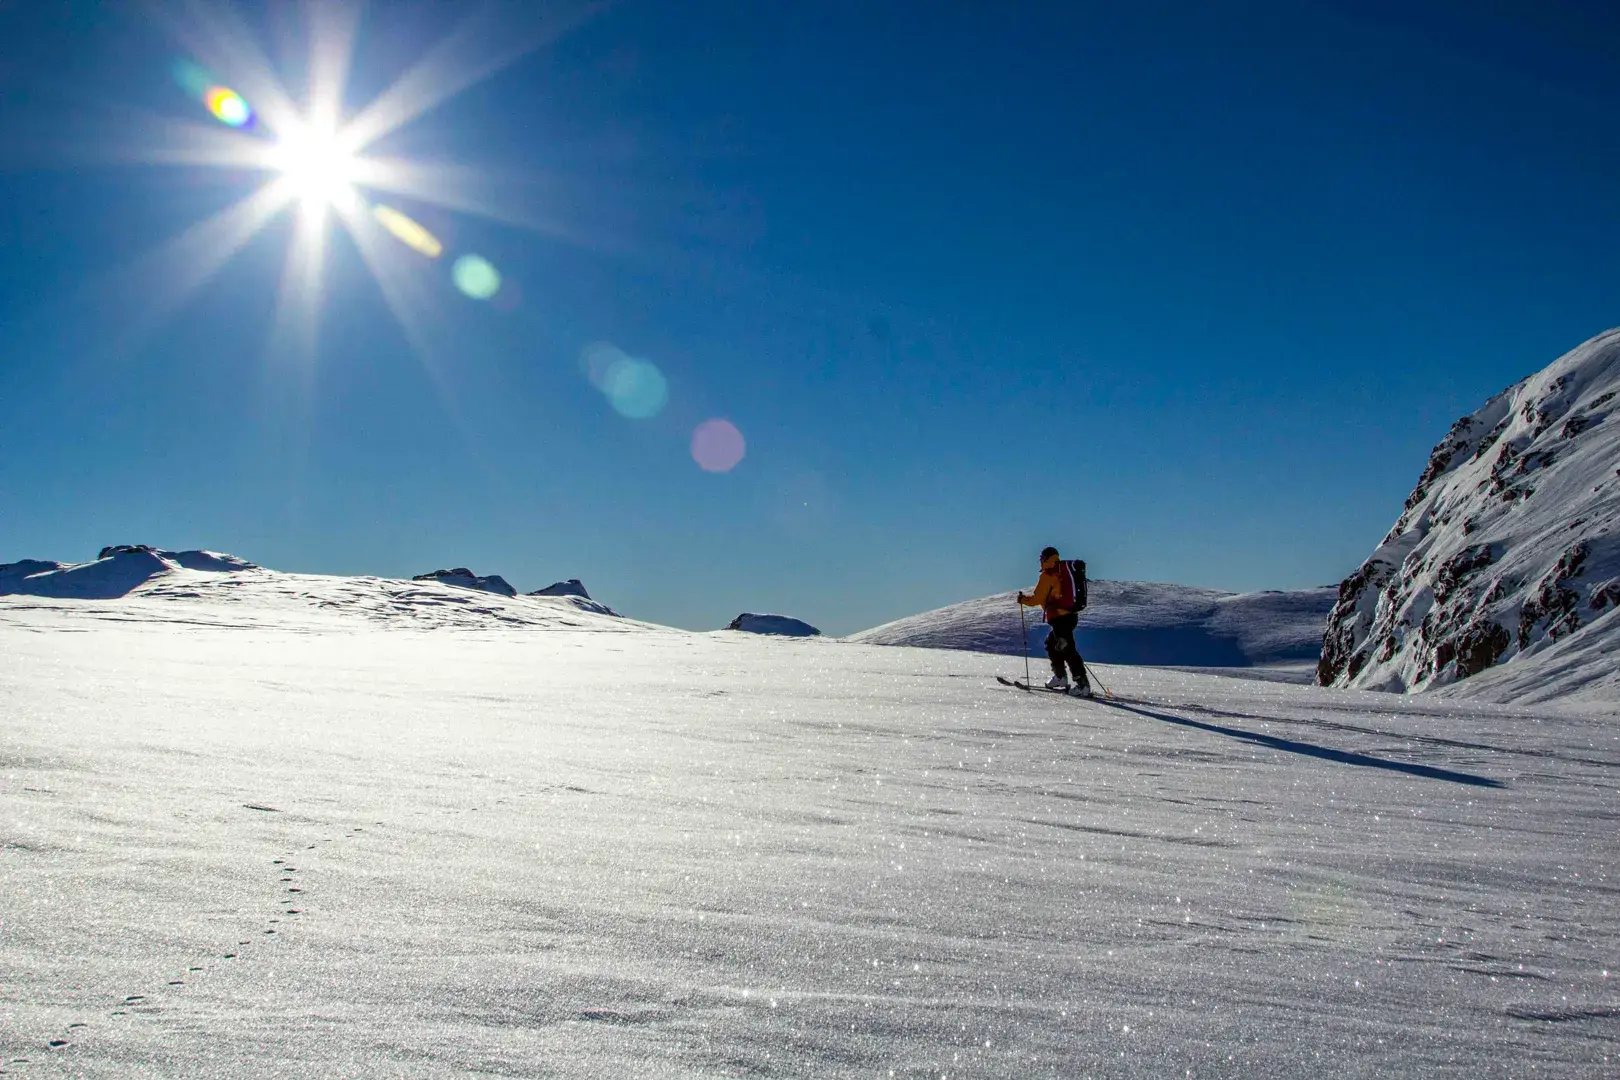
1507 546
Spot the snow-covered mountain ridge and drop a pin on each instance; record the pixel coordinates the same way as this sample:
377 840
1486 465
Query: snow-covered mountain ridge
1506 554
1136 622
149 580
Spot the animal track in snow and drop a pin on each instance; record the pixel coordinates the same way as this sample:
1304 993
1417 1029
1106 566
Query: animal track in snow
144 1004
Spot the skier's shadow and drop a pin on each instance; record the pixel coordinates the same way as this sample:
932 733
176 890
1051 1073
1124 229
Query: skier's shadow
1344 757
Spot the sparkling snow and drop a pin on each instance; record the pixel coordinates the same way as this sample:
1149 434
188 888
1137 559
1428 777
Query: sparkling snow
307 827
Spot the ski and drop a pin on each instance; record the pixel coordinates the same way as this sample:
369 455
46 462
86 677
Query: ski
1021 685
1097 696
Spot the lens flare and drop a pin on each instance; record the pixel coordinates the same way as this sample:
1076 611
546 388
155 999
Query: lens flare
636 388
717 446
474 276
407 231
227 106
193 78
597 359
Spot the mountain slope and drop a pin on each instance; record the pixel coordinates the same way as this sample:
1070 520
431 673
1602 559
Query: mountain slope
1506 553
1136 622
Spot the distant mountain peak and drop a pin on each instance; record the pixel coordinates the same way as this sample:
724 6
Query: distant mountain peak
463 578
779 625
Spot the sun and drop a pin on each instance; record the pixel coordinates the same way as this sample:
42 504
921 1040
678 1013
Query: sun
323 161
318 165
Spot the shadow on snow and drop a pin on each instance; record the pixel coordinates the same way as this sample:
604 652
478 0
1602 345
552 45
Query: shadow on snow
1344 757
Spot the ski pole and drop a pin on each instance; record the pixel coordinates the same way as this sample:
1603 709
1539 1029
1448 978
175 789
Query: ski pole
1024 622
1091 669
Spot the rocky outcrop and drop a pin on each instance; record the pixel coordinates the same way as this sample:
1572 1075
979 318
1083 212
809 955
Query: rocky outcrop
571 587
124 549
211 561
1509 543
780 625
463 578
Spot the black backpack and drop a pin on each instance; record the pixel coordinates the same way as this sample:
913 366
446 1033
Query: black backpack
1077 567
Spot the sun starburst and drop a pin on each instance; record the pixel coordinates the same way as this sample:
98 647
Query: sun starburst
314 155
319 166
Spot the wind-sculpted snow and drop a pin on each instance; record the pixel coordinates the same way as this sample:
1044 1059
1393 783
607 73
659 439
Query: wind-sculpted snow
1507 552
1136 622
239 850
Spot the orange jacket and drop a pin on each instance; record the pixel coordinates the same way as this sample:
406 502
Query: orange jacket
1055 593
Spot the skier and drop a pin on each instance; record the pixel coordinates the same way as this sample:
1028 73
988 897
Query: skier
1057 597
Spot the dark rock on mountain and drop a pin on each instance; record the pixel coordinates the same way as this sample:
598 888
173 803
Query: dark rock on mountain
463 578
571 587
780 625
1507 546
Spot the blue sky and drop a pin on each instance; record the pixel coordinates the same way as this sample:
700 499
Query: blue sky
1187 292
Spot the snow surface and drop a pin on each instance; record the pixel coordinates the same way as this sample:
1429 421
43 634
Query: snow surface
289 826
1137 622
781 625
1501 578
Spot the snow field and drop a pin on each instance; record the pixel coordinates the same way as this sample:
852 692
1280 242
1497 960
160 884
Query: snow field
653 854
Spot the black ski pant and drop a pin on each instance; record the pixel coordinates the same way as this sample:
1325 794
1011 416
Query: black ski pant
1061 649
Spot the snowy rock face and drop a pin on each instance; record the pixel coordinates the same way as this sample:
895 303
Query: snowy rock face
780 625
1136 622
215 561
571 587
1508 548
463 578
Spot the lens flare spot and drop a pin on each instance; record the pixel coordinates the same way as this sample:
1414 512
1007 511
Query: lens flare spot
407 231
717 446
227 106
192 77
636 388
597 359
474 276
